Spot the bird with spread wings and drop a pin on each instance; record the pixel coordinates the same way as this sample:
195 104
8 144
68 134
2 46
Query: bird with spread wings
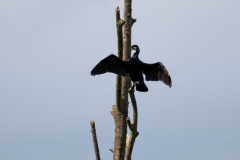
135 68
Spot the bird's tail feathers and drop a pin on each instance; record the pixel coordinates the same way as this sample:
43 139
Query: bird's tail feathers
142 87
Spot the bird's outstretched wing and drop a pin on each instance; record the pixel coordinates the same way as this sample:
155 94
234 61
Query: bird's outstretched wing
111 64
156 72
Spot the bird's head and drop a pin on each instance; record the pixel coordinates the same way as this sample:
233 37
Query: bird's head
135 47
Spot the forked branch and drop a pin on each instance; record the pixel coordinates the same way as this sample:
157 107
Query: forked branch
119 111
132 126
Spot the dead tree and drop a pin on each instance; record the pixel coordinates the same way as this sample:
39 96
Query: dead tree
123 143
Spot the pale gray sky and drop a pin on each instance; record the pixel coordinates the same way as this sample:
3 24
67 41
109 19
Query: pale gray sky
47 96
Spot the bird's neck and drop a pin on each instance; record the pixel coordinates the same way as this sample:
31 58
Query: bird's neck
135 55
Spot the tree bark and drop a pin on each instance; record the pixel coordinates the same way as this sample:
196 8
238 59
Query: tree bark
95 142
126 82
118 111
132 126
119 25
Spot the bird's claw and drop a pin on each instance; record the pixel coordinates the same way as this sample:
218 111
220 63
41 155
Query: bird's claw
131 89
134 85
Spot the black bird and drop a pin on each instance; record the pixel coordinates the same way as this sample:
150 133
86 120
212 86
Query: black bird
135 68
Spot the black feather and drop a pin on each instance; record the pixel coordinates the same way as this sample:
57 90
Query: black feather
135 68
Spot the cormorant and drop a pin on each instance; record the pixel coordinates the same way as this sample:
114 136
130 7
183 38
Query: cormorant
135 68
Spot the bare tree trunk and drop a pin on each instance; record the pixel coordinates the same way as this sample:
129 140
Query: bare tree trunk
118 111
119 25
126 82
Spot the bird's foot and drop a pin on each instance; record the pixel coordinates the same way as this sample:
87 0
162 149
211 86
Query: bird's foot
136 83
131 89
133 86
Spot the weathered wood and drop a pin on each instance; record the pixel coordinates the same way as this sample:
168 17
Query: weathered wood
119 25
120 133
117 111
120 110
132 126
95 142
126 82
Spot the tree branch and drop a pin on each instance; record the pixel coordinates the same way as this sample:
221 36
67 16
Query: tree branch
126 83
129 124
110 149
119 25
95 142
132 126
126 47
119 111
135 109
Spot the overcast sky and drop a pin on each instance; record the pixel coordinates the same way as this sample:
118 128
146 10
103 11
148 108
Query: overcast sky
47 96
